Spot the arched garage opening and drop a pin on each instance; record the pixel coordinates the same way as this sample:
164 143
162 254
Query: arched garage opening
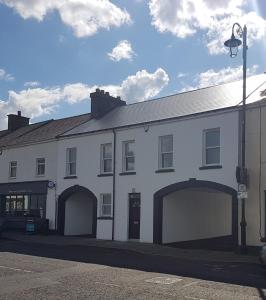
77 212
197 214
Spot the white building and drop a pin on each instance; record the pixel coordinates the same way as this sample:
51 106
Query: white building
161 171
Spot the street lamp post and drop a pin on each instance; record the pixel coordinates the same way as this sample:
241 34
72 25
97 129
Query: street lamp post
233 43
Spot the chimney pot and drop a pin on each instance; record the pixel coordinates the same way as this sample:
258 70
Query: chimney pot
19 113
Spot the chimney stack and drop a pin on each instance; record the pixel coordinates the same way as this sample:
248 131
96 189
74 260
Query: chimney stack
17 121
102 103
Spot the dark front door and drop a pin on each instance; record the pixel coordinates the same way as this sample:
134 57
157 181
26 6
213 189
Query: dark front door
134 215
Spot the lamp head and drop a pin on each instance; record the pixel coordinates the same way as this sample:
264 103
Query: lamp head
233 45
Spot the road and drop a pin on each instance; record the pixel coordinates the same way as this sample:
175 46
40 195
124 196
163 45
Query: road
34 271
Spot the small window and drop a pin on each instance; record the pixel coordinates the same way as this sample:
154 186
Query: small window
40 166
128 156
71 157
13 169
211 152
165 152
106 205
106 158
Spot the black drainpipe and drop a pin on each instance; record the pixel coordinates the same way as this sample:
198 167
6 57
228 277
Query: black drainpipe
114 175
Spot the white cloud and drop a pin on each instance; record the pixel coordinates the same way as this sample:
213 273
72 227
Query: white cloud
212 77
36 102
5 76
184 18
143 85
85 17
31 83
123 50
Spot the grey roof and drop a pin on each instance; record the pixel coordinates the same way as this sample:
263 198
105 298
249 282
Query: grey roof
41 131
179 105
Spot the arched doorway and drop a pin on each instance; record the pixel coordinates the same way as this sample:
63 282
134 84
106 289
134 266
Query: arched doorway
195 210
77 212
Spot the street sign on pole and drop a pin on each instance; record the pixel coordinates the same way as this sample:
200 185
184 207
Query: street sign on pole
242 195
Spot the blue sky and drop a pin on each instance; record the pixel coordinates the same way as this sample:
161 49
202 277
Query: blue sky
55 52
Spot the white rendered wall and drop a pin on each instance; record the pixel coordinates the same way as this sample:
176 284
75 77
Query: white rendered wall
78 214
191 215
88 169
188 145
26 169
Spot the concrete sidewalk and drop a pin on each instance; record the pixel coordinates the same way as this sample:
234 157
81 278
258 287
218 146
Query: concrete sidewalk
145 248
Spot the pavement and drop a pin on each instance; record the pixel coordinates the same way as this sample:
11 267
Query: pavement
139 247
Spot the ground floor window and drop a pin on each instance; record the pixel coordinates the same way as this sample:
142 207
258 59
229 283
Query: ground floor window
21 205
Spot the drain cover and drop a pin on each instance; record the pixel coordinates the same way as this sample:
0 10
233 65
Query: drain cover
164 280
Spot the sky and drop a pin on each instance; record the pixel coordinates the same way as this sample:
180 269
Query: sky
54 53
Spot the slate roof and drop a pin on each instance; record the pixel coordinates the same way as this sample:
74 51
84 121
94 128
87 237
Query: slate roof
179 105
41 131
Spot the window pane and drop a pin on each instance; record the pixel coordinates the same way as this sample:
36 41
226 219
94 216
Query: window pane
167 160
40 169
107 165
34 202
129 149
106 210
106 198
107 151
72 154
167 143
213 156
130 163
213 138
72 168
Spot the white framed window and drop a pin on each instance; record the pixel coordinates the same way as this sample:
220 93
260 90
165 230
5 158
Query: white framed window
71 161
211 144
40 166
13 169
106 158
128 156
165 151
106 205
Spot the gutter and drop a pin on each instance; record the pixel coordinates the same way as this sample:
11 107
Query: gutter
114 177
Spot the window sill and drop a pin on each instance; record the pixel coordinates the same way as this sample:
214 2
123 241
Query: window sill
40 175
127 173
71 177
210 167
165 170
105 218
105 174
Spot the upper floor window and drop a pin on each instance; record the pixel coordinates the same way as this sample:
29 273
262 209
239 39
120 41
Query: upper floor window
128 156
165 151
106 158
40 166
71 161
13 169
211 151
106 205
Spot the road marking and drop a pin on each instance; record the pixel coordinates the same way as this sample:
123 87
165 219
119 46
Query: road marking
108 284
194 298
164 280
16 269
191 283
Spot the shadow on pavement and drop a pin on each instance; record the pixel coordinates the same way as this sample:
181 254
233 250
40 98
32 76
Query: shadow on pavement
232 273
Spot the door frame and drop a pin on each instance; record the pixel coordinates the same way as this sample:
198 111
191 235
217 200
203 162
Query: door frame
129 215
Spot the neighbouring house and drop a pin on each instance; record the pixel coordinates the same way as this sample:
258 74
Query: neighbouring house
159 171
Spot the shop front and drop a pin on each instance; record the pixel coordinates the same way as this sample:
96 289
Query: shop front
22 200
